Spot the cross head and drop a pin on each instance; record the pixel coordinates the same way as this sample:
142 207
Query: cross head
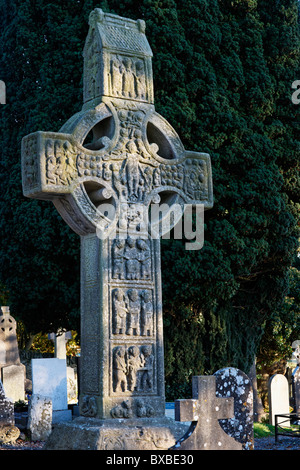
118 150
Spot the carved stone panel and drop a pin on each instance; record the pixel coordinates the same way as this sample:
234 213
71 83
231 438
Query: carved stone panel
133 369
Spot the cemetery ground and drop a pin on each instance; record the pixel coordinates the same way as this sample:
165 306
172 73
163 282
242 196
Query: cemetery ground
264 440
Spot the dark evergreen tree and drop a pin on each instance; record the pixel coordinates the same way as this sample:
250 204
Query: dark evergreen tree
41 63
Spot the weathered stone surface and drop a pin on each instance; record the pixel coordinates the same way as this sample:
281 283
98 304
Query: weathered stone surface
8 431
205 411
40 417
7 416
9 434
12 372
93 434
13 379
103 189
231 382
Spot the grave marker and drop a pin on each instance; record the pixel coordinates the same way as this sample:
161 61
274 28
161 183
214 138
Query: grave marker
49 379
8 431
60 340
205 411
231 382
13 373
279 401
40 418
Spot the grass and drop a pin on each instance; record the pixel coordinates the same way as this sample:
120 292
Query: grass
268 430
263 430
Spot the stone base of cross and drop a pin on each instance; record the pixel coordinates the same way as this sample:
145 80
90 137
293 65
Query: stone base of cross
104 170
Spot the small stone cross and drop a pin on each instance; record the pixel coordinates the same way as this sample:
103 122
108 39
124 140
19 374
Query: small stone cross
60 340
204 411
103 170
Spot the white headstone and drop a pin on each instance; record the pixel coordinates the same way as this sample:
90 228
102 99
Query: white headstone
49 378
279 402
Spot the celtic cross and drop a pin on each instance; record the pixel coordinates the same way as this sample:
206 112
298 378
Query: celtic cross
103 170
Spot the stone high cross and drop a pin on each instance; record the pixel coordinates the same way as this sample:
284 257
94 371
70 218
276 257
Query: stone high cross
204 411
104 167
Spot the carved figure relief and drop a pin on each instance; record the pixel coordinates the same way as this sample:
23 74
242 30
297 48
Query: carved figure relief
120 310
118 269
131 259
139 408
134 362
60 162
119 370
144 258
88 406
143 409
133 369
134 309
132 312
147 370
123 410
146 314
128 78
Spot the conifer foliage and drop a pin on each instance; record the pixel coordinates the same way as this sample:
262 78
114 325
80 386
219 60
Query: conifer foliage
223 71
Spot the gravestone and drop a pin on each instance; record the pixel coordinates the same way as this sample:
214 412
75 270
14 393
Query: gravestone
8 431
205 410
60 340
278 396
49 379
13 373
104 189
40 418
231 382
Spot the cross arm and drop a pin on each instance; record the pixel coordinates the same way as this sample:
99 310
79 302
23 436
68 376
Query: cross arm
186 410
189 176
48 164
